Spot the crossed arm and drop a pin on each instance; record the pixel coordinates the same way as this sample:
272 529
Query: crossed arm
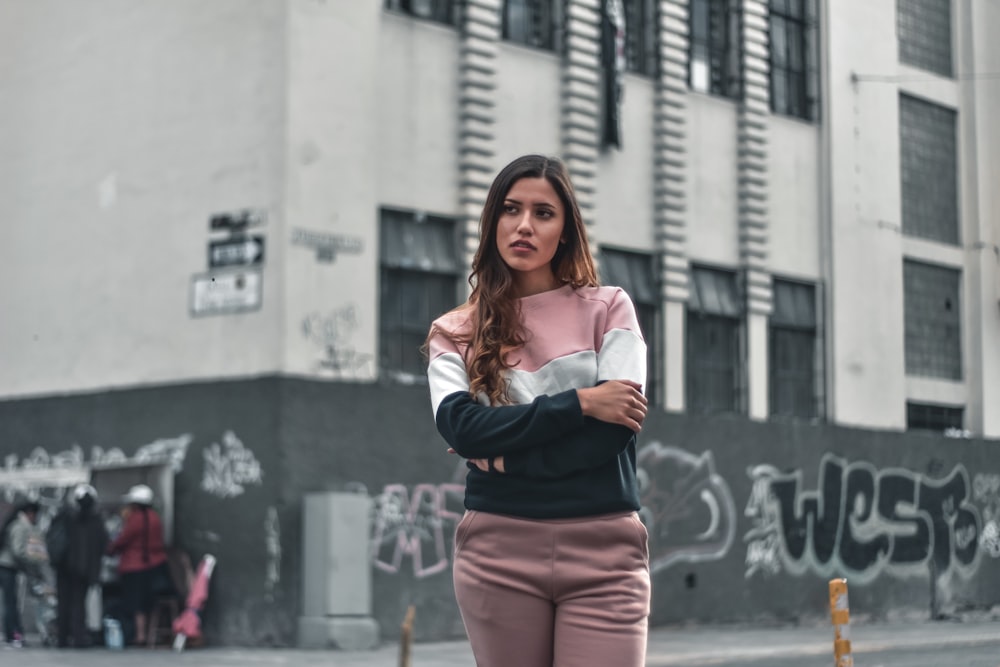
552 436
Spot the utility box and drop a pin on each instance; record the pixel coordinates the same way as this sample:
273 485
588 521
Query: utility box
336 573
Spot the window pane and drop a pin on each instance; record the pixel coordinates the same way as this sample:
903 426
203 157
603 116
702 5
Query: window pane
529 22
928 170
418 241
712 371
933 328
779 44
418 282
794 75
933 417
699 20
716 292
796 59
640 36
794 304
924 31
793 373
779 90
442 11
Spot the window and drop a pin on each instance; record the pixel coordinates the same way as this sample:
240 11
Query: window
713 375
924 31
933 417
640 36
929 170
794 354
530 22
420 279
714 61
636 274
442 11
933 325
794 71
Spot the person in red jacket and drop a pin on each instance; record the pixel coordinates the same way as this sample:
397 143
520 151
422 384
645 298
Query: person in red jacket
143 562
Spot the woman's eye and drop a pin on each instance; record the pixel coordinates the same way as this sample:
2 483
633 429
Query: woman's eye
509 209
545 213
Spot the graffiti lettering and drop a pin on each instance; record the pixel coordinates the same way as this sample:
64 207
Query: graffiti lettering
333 333
415 525
986 491
862 521
69 467
686 506
272 540
229 467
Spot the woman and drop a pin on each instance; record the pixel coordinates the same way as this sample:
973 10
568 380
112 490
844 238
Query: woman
79 568
143 563
537 382
22 550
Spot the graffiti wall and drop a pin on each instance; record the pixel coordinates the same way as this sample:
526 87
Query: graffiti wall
747 521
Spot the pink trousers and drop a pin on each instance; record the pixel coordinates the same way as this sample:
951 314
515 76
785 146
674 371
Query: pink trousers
554 592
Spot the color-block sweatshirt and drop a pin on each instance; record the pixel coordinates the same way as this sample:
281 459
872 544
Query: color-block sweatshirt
558 463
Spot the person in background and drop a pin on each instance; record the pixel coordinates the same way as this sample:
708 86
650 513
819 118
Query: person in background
143 562
22 550
79 567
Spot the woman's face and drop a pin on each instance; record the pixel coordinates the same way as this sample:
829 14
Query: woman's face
529 232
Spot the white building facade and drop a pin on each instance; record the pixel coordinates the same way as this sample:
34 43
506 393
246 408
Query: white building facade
799 195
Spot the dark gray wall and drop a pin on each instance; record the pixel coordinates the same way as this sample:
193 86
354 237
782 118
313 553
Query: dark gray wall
748 521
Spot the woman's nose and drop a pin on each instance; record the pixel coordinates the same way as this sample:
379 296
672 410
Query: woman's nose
524 223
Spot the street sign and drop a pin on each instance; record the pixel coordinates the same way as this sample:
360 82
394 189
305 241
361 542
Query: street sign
225 293
327 245
239 251
236 221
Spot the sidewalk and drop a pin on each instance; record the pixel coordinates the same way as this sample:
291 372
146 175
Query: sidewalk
668 646
704 645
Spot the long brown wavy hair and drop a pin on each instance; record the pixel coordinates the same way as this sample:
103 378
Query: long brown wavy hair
494 313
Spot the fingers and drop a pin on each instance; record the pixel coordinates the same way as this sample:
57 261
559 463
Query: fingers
484 464
631 383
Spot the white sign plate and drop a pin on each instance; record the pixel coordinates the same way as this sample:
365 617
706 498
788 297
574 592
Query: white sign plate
225 293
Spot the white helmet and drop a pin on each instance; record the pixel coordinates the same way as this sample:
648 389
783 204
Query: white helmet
140 494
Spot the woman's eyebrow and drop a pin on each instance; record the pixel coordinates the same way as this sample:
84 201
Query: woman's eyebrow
547 204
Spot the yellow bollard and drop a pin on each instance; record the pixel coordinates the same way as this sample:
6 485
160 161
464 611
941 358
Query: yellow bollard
406 637
841 617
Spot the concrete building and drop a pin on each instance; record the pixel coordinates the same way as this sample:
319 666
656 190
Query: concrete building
227 225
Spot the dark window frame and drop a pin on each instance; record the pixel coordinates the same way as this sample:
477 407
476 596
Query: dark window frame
445 12
794 334
922 166
538 26
430 283
919 48
714 340
933 345
793 51
714 31
641 37
933 417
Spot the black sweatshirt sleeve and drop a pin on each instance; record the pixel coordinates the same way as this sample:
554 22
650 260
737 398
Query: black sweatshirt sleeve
477 431
588 447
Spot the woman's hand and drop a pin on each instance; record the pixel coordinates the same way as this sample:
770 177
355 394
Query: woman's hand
484 464
615 402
